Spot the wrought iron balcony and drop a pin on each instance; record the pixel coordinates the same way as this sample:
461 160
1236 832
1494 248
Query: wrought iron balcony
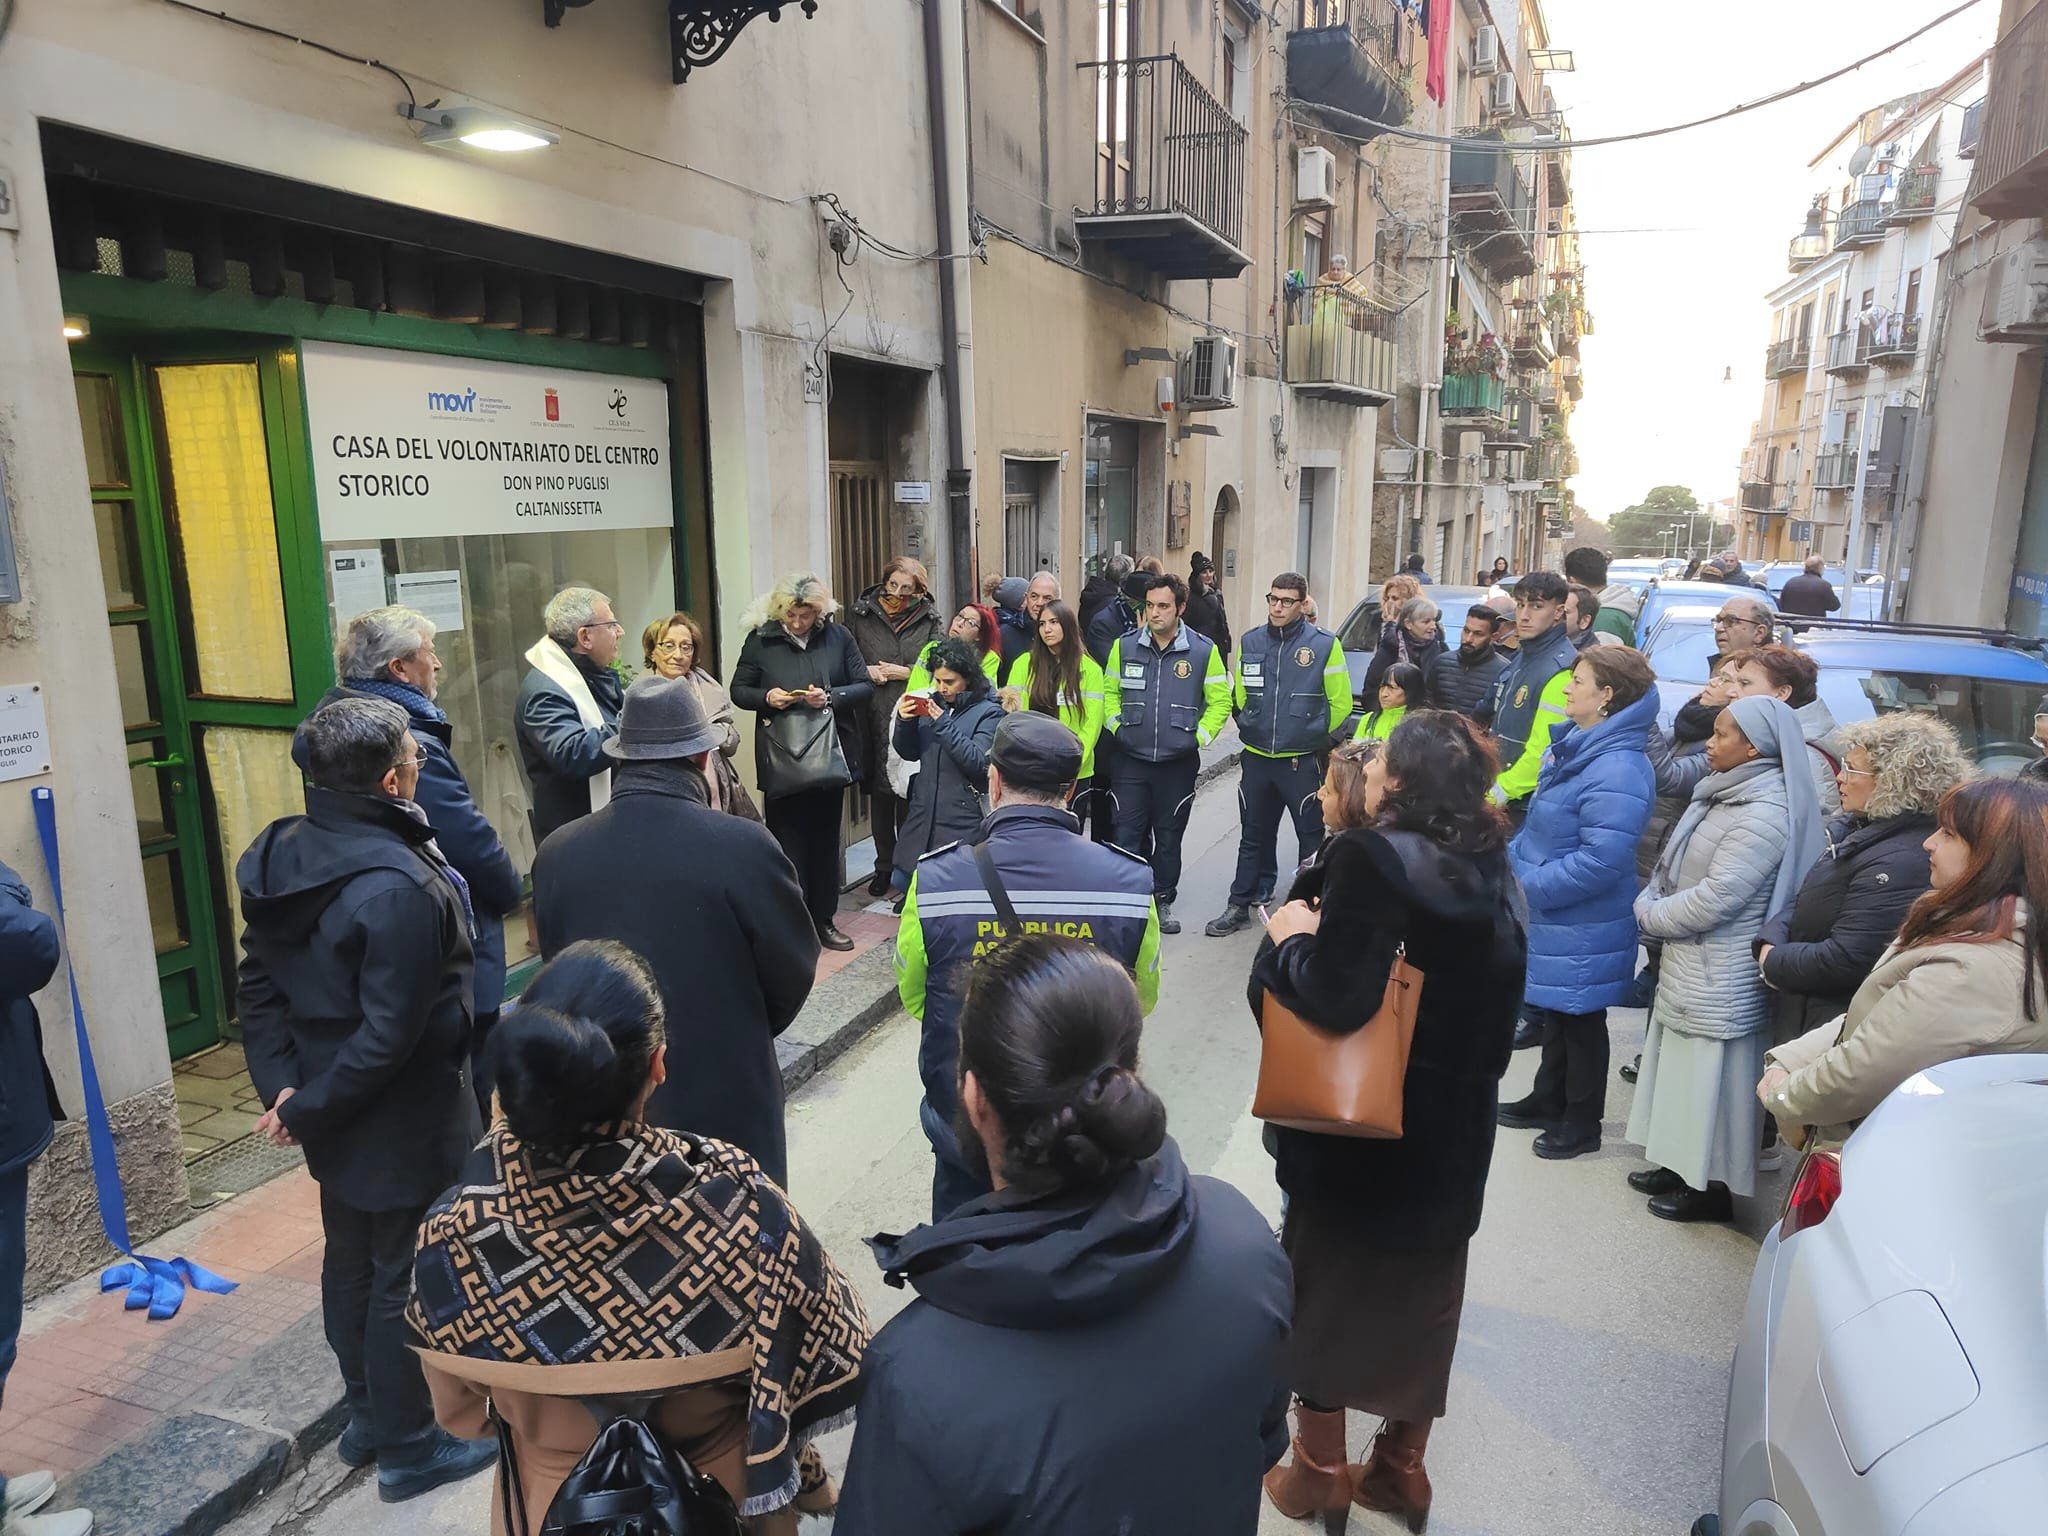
1471 397
1849 352
1517 428
1834 468
1972 130
1918 191
1897 341
1763 496
2011 180
1493 207
1351 55
1574 379
1783 357
1529 342
1566 329
1861 223
1169 170
1334 348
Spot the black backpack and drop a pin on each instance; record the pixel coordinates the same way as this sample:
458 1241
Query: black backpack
629 1483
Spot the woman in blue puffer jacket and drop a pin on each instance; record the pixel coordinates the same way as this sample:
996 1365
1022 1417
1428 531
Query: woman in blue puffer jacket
1576 859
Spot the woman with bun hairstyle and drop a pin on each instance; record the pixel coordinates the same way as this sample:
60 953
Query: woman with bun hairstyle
1096 1345
1378 1229
738 1319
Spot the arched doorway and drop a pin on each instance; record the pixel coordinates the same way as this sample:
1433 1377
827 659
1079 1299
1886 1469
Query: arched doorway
1222 547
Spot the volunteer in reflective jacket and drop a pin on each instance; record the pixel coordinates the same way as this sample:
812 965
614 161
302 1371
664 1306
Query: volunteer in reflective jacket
1057 881
1291 694
1166 694
1529 700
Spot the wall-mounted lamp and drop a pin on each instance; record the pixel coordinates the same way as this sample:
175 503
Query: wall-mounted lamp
76 328
477 127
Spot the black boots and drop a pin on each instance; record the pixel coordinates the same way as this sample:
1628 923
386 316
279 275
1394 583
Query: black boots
1685 1203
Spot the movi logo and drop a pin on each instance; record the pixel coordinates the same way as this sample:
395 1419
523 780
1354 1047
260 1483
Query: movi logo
439 400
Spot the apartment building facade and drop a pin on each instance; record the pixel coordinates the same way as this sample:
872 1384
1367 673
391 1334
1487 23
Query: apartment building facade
1845 370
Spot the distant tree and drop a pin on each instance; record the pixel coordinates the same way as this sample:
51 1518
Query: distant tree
1641 529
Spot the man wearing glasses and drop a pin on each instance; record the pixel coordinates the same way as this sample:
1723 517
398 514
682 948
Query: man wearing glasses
569 708
1291 693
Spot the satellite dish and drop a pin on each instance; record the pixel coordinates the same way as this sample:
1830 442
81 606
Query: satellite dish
1860 161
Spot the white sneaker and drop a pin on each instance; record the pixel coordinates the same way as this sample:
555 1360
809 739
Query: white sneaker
1771 1159
64 1522
29 1492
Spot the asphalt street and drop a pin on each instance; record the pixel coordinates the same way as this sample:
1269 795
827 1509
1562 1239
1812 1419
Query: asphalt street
1592 1369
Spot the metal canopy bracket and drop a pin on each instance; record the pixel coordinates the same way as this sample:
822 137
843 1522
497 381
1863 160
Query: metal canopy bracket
701 30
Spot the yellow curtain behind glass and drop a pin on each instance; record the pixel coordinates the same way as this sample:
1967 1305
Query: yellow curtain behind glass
227 529
254 782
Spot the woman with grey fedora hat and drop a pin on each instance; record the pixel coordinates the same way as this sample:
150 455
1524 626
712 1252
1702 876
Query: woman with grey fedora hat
709 901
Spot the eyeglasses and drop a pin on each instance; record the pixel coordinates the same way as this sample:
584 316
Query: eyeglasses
1846 772
1284 600
603 624
411 762
672 647
1733 618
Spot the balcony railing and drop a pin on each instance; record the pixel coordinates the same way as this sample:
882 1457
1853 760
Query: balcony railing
1972 131
1169 170
2012 155
1783 357
1529 342
1762 496
1468 395
1834 469
1567 331
1352 55
1897 341
1574 379
1849 351
1334 349
1493 207
1517 427
1860 223
1918 191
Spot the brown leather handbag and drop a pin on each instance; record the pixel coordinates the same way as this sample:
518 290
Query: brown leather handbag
1311 1079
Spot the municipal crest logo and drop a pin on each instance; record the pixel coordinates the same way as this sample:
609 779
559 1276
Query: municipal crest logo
1183 669
1521 695
1304 657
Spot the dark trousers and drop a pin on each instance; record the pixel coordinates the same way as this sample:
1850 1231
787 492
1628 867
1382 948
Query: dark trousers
1267 788
807 826
885 816
1099 809
1152 805
1571 1080
364 1279
13 1265
483 1078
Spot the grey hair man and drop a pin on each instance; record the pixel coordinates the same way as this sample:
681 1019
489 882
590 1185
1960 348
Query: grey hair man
1044 588
569 708
354 1000
1742 624
1810 594
388 653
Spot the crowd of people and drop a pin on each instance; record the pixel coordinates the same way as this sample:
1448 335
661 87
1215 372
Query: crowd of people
588 1195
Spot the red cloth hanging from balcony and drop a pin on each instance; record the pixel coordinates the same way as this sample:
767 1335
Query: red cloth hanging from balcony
1434 81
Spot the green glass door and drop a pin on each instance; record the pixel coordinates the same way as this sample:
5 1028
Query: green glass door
149 670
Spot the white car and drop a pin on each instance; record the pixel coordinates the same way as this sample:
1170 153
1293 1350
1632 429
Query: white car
1891 1378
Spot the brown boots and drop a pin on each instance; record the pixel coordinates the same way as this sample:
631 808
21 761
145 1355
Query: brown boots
1316 1481
1392 1479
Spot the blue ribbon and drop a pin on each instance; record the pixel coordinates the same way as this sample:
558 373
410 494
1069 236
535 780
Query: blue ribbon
158 1284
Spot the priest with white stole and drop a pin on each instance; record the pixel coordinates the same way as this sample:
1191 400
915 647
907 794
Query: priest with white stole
569 708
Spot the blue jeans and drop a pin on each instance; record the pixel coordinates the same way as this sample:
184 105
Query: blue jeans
13 1268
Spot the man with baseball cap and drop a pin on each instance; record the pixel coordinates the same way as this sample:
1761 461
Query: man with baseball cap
1029 870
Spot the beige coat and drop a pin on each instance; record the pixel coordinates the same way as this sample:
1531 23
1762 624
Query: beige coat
1918 1008
704 1416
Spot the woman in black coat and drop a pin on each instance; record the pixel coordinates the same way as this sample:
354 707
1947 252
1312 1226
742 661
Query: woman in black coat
1817 951
797 658
1378 1230
1413 633
892 624
1096 1346
949 736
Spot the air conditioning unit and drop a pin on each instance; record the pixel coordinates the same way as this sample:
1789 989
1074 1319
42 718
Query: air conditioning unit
1500 96
1315 177
1486 51
2016 295
1211 374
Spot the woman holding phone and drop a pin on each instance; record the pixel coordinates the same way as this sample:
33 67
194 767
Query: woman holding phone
948 732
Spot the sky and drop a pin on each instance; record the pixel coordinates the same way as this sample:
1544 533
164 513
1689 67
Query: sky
1679 309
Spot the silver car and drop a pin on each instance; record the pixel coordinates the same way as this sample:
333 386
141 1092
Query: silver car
1891 1378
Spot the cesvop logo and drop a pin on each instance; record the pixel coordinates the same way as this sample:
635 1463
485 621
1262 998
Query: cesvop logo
451 400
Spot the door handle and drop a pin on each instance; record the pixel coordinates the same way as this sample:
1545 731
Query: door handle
175 760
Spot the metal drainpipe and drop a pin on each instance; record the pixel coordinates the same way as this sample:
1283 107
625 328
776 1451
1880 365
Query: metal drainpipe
945 56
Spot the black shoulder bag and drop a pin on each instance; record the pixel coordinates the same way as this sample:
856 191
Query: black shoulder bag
630 1482
992 882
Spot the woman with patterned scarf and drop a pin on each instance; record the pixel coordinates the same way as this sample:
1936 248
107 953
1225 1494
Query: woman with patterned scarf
585 1252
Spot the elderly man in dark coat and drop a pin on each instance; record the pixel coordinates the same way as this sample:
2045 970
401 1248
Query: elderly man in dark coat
708 901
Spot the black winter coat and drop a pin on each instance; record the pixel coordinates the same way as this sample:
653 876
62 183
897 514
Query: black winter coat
1848 910
1420 654
28 959
1205 616
1810 596
1457 681
832 661
712 905
1096 594
946 797
1079 1364
896 642
354 991
1014 630
1456 914
1113 620
560 754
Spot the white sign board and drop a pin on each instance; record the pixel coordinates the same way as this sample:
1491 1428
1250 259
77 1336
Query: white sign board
24 737
412 445
914 492
357 576
435 595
